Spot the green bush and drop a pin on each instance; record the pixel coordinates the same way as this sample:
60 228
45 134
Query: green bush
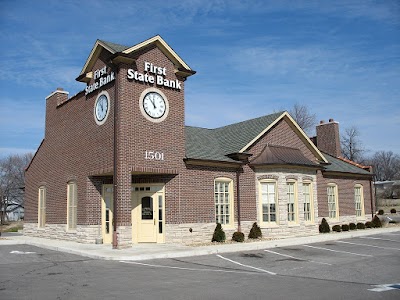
219 234
353 226
368 224
324 226
345 227
393 211
381 212
238 237
337 228
376 222
360 225
255 232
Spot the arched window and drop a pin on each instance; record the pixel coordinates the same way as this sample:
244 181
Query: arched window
72 201
268 201
42 207
223 198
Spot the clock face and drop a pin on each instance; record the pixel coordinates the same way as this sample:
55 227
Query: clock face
154 105
101 109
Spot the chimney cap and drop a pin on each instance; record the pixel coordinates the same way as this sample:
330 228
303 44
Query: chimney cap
331 120
321 122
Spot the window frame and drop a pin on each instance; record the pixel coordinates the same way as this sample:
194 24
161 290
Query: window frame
42 207
311 198
217 206
295 212
336 200
260 203
72 212
362 210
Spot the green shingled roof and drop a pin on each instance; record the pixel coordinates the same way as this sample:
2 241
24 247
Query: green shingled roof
215 144
114 47
338 165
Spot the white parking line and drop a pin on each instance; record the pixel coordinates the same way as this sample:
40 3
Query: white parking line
366 245
186 269
316 262
373 238
337 251
247 266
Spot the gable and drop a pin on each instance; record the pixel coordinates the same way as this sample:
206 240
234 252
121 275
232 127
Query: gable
119 52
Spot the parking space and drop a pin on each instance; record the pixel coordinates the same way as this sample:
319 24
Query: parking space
370 262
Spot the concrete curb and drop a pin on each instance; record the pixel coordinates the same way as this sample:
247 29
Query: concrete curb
148 252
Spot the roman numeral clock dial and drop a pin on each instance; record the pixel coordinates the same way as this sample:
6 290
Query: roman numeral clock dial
101 108
154 105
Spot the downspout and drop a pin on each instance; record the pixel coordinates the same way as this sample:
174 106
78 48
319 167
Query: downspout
115 158
370 190
238 198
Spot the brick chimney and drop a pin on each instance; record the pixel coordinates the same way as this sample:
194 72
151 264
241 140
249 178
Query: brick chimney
53 101
328 139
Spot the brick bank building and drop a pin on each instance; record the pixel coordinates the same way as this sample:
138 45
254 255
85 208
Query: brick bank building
117 164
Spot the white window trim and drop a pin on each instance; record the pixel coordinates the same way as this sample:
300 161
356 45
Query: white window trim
231 201
334 185
296 202
311 194
362 217
42 208
260 208
75 211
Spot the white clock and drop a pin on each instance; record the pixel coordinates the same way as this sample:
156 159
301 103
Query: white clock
154 105
101 108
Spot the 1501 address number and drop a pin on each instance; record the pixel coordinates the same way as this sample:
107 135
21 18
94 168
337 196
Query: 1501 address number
154 155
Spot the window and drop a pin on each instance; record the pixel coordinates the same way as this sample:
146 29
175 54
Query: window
292 201
223 198
72 199
42 207
268 202
307 196
332 201
359 200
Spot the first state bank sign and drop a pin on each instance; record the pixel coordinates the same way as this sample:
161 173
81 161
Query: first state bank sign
153 75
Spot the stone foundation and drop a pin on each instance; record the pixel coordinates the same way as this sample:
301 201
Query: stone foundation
83 233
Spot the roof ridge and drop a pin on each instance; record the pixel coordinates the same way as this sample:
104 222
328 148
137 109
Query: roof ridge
113 45
353 162
253 119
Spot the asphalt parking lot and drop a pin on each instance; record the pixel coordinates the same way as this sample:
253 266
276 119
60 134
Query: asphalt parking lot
358 268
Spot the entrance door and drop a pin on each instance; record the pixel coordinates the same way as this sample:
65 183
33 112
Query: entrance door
107 208
147 218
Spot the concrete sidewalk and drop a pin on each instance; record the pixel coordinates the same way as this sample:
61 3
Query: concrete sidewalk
154 251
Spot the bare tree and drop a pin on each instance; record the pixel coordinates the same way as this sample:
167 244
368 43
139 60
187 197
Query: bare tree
12 169
352 147
386 165
303 117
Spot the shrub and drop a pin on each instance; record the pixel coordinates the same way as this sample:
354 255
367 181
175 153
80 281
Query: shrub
238 237
368 224
393 211
324 226
255 232
381 212
376 222
353 226
219 234
337 228
345 227
360 225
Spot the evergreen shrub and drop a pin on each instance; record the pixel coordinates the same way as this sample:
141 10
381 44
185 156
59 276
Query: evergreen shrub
376 222
219 234
324 226
393 211
360 225
238 237
381 212
345 227
255 232
337 228
353 226
368 224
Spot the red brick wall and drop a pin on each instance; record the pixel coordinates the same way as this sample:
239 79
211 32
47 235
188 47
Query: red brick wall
345 194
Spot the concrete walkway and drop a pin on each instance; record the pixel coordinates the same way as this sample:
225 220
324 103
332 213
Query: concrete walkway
154 251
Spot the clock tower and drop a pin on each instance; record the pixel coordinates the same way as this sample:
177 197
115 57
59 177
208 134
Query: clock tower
147 100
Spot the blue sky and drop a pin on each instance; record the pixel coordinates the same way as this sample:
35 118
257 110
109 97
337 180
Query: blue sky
340 58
